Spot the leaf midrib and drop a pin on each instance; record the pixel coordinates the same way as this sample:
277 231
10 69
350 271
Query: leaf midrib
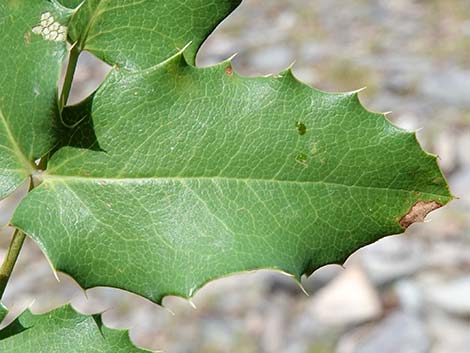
106 180
28 168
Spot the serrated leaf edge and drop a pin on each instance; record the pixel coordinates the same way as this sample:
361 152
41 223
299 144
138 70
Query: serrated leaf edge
97 318
286 74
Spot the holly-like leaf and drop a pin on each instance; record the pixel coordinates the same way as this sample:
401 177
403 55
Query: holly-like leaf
137 34
30 67
63 330
197 173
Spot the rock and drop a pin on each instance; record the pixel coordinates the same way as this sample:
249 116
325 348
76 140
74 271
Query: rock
272 59
460 182
401 83
407 121
217 49
464 148
410 296
453 297
321 278
9 204
392 258
350 340
398 333
450 253
449 335
307 75
88 76
446 149
347 300
273 338
449 86
314 51
466 28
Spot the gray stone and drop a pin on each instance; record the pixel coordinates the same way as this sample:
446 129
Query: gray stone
392 258
449 335
410 296
9 204
460 182
447 149
453 297
347 300
451 86
273 59
463 143
398 333
314 51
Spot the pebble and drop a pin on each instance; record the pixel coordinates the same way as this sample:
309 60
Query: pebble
392 258
398 333
448 86
273 59
349 299
453 297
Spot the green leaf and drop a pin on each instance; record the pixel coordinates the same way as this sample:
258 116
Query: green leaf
199 173
71 4
3 312
141 33
63 330
29 72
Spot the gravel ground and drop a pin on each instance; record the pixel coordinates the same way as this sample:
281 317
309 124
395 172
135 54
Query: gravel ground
403 294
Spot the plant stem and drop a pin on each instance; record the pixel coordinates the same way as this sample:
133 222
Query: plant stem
10 260
73 59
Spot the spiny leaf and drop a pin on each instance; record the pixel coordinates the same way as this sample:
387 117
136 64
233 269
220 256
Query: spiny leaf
142 33
63 330
29 71
198 173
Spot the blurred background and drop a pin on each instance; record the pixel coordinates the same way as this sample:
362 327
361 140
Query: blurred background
403 294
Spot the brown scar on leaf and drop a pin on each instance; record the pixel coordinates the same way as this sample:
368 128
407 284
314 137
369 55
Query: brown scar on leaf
418 212
229 71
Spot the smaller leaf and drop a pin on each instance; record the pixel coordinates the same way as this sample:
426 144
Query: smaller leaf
137 34
63 330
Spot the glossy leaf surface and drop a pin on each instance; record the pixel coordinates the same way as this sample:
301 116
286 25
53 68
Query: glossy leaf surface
137 34
29 73
198 173
3 312
63 330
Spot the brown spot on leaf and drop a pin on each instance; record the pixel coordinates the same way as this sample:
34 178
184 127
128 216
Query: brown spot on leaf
229 71
418 212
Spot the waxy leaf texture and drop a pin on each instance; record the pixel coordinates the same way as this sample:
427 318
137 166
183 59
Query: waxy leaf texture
196 173
29 73
66 331
136 34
